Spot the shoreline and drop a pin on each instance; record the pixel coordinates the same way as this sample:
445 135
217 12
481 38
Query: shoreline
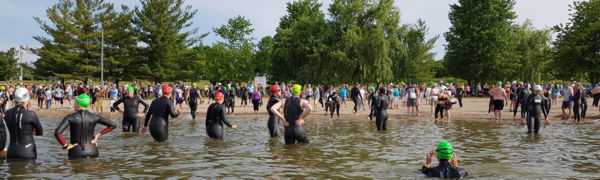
474 110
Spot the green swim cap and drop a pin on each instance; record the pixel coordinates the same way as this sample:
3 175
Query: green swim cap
225 88
130 88
296 89
3 88
499 83
233 89
444 150
372 89
18 87
83 100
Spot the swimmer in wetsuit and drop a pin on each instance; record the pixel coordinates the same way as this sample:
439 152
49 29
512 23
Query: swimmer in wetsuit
334 104
216 117
273 122
230 101
295 111
448 167
536 106
160 109
21 123
83 143
131 115
381 105
192 99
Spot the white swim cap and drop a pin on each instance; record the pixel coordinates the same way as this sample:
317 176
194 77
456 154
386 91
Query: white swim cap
21 95
537 88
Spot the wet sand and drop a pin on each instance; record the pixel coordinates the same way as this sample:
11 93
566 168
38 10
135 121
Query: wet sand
474 109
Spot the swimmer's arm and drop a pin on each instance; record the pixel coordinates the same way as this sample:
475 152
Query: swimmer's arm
141 101
544 108
307 108
64 124
2 135
116 104
110 125
36 125
199 95
172 111
225 117
148 114
274 109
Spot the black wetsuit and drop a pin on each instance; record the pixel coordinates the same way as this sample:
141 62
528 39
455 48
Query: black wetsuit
578 99
273 123
193 101
459 95
373 101
215 118
334 104
244 94
445 170
382 115
355 94
523 94
130 105
584 104
40 97
292 112
21 123
230 101
81 125
160 109
439 107
536 105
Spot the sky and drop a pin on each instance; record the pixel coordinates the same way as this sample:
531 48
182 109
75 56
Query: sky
19 27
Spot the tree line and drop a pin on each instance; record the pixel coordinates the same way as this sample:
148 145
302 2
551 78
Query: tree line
358 40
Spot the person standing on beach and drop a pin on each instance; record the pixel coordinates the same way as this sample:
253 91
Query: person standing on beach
567 93
498 95
356 96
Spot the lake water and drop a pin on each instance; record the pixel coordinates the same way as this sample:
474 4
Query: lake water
338 149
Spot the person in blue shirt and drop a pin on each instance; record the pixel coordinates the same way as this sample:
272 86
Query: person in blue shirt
344 94
114 94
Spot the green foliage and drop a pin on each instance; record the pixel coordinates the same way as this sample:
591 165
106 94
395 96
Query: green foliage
233 59
534 53
263 58
8 63
577 44
417 60
160 25
480 42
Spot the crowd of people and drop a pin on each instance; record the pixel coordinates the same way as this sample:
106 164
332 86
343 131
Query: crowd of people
288 104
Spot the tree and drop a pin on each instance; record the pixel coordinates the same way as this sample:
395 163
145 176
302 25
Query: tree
72 49
299 34
577 44
8 63
367 32
233 59
480 40
534 54
414 56
263 58
161 24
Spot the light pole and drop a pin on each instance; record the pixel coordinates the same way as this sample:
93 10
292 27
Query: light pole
102 60
21 65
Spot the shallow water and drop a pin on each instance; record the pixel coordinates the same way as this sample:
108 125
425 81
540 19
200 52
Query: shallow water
338 149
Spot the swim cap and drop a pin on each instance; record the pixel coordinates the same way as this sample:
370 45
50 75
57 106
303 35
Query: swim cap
225 88
83 100
274 89
537 88
372 89
3 88
130 88
166 89
21 95
296 89
233 89
499 83
193 84
356 84
219 96
444 150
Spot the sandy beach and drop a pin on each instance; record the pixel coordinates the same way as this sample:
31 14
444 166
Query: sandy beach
474 109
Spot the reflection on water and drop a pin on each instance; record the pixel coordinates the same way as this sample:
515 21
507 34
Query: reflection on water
338 149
